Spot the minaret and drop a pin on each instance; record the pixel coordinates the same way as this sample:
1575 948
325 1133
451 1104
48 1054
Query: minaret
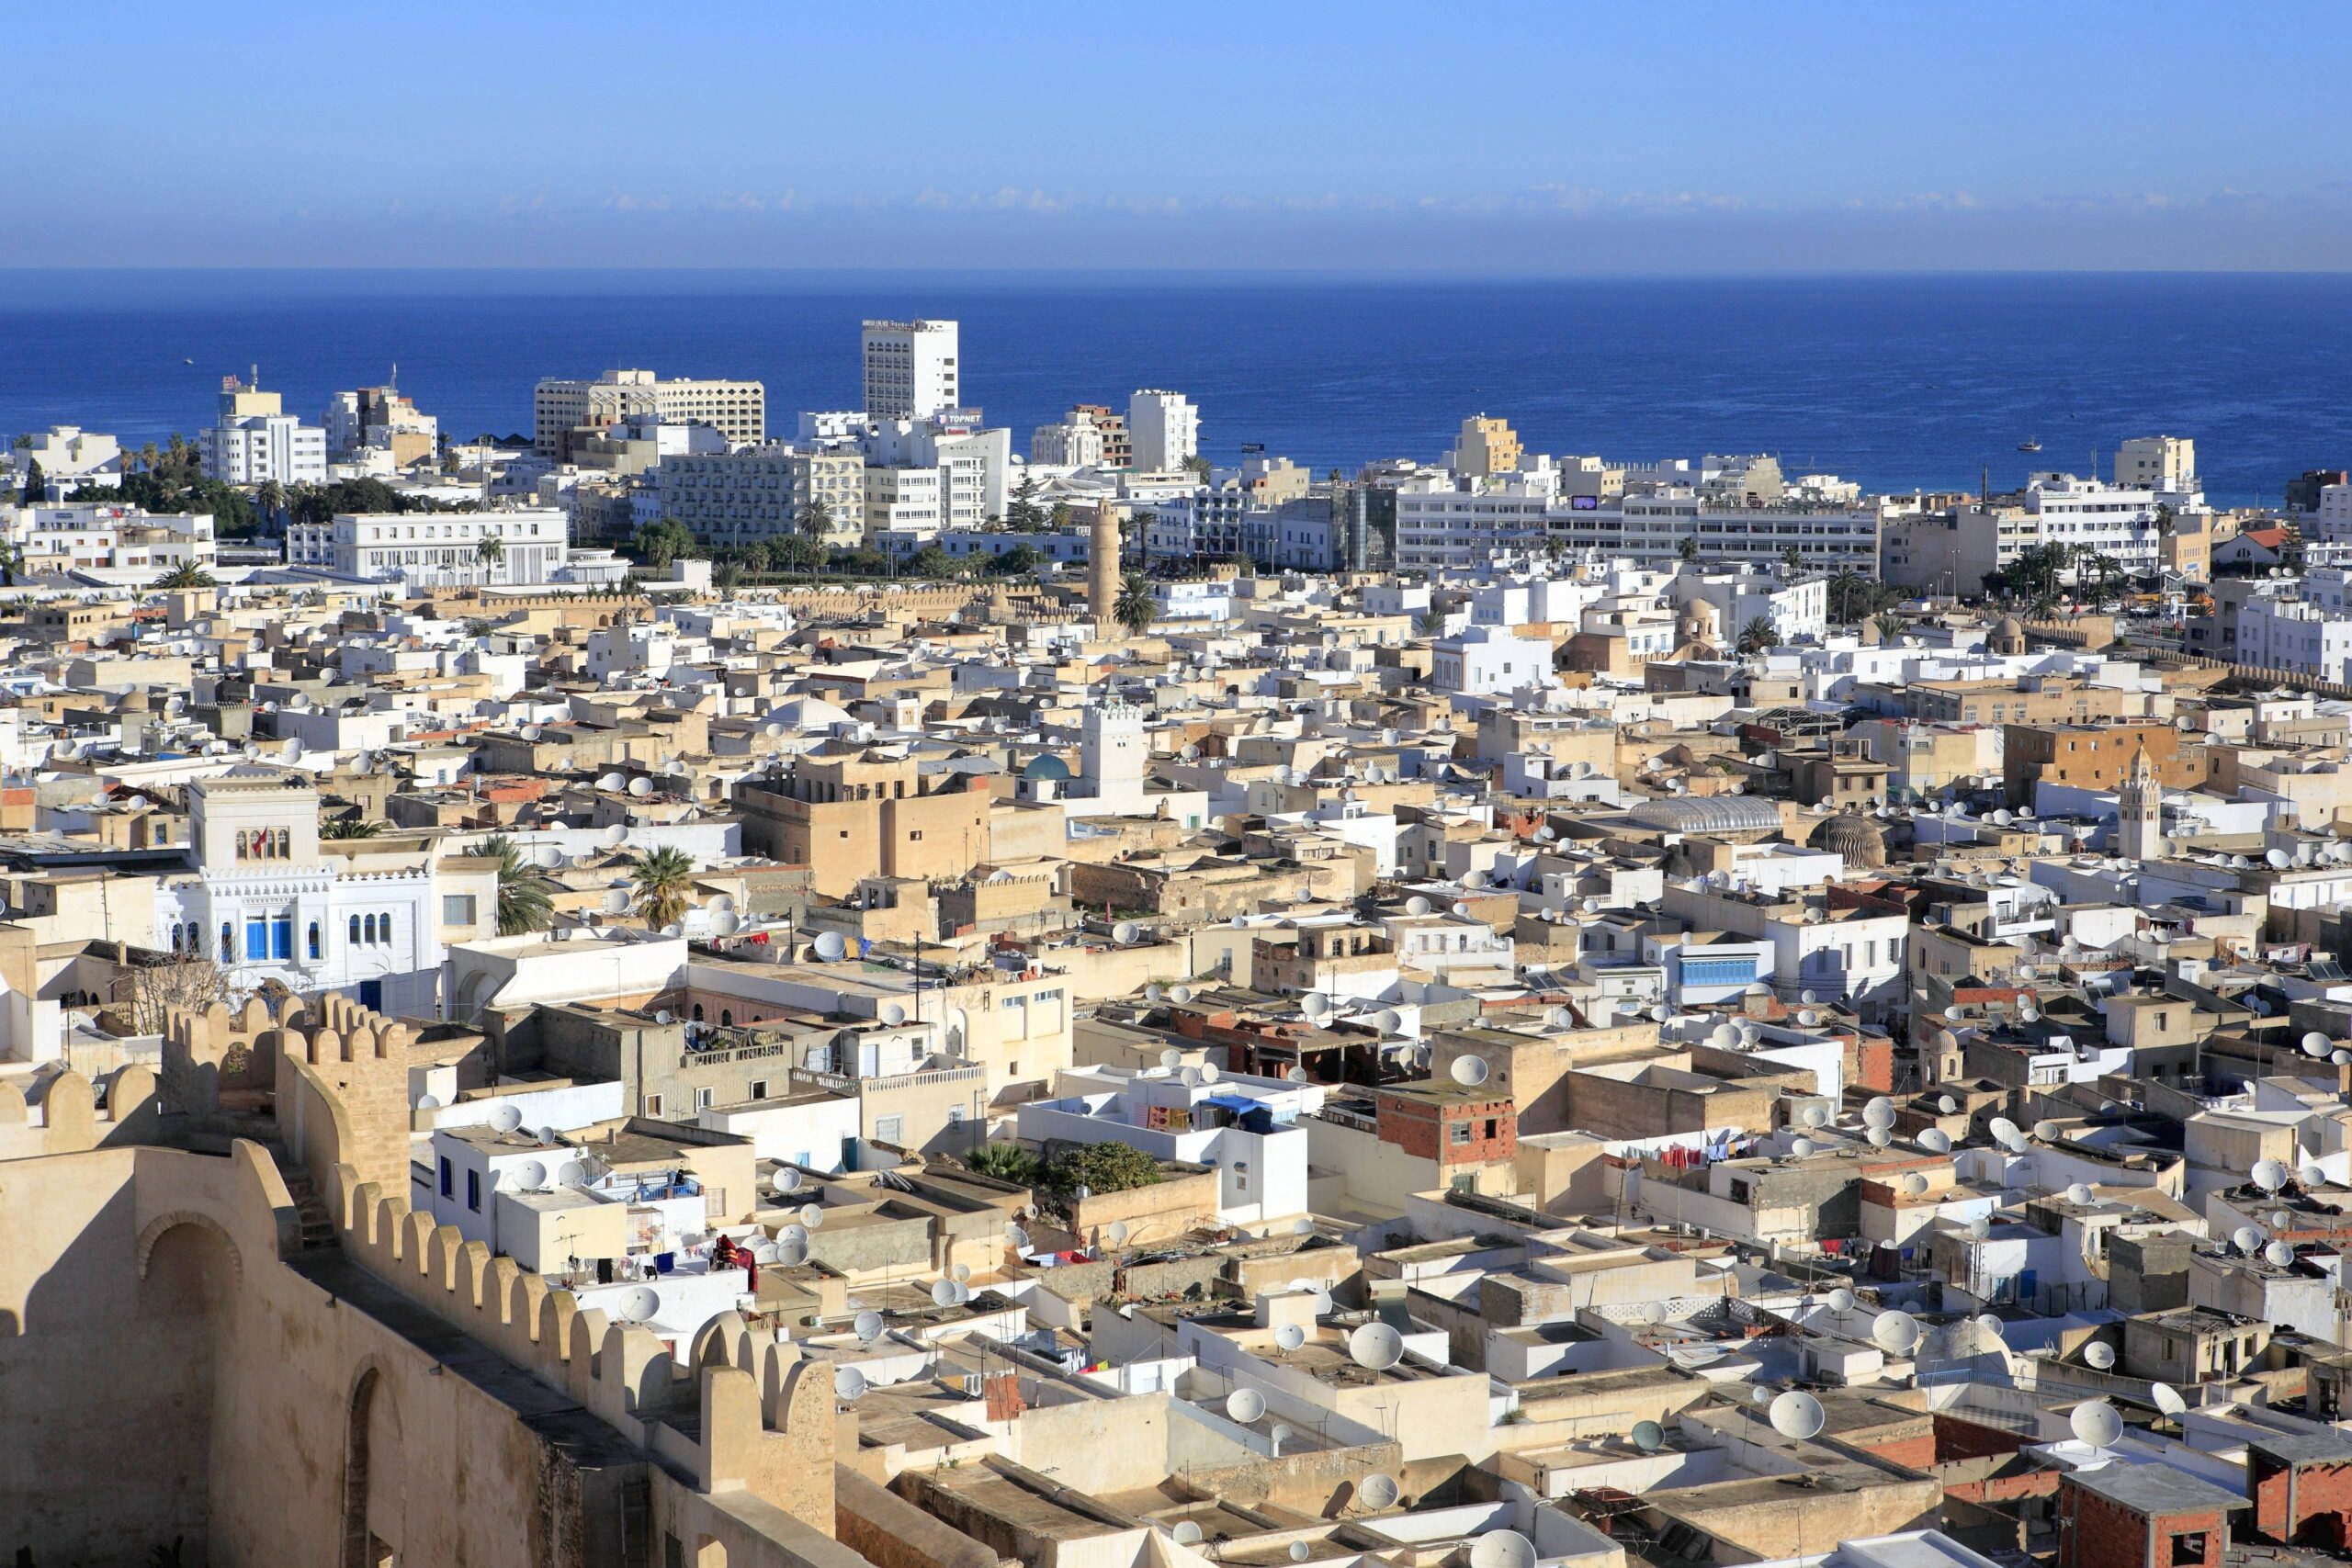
2139 815
1102 566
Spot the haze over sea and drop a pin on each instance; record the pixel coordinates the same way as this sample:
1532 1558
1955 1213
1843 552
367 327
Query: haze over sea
1894 380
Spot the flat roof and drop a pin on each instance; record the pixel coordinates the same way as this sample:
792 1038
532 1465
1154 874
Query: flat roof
2155 1489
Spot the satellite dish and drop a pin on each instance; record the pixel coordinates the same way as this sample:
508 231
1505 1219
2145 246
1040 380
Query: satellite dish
2245 1238
1290 1336
2311 1175
867 1326
2279 1254
1796 1414
1210 1072
1377 1491
1946 1104
1179 994
830 945
1191 1078
1278 1437
1297 1074
943 1293
1245 1405
638 1304
1896 1332
812 1215
791 1252
1936 1141
1915 1184
1803 1147
1417 904
2315 1043
1881 1137
960 1272
1389 1019
1841 1301
428 1102
1979 1228
640 787
1376 1347
1117 1233
1300 1552
848 1382
1816 1116
2269 1175
2080 1192
1469 1071
1991 1327
530 1175
1653 1312
1123 932
1879 1112
1502 1549
1759 1395
1314 1004
1016 1236
725 923
1648 1437
2002 1129
2167 1398
893 1014
1186 1533
2100 1355
506 1118
2095 1424
787 1180
2046 1130
572 1173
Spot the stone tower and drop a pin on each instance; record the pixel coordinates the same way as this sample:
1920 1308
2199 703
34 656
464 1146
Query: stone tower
2140 817
1102 565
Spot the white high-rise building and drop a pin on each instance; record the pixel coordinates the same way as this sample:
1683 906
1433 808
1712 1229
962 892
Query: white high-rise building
254 440
911 369
1165 429
2163 463
737 409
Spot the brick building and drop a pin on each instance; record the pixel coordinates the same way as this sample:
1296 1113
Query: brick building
1450 1123
2301 1487
2142 1516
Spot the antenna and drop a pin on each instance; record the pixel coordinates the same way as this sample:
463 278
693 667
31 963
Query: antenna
848 1383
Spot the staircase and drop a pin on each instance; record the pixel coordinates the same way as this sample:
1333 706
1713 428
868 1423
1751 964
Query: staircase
318 1223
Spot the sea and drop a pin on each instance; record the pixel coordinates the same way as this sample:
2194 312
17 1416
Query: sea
1894 380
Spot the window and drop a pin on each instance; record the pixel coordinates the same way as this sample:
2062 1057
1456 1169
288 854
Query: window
445 1175
653 1105
355 930
368 925
256 940
228 944
759 1088
281 938
703 1097
473 1190
1458 1133
457 909
316 950
889 1129
2188 1547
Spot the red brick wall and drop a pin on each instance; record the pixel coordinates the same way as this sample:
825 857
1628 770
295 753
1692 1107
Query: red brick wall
1911 1449
2322 1505
1873 1064
2096 1533
1958 1439
1423 1130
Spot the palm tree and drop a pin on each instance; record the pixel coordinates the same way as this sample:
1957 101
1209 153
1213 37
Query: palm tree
1847 590
1792 560
523 902
351 828
1757 635
1135 606
1688 549
188 574
663 879
1891 627
490 551
816 525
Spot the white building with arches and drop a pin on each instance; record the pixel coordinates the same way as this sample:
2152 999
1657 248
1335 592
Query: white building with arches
261 898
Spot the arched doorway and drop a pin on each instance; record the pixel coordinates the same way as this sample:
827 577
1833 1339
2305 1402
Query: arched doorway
373 1481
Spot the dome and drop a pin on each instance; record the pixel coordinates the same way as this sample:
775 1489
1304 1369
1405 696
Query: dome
1046 765
1855 837
2008 635
1707 813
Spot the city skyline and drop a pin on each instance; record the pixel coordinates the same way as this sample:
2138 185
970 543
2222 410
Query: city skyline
1554 141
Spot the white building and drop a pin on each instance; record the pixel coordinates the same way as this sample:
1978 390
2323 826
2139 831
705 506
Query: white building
262 900
1650 529
738 410
2167 464
975 462
253 441
1075 443
1444 521
2092 518
378 419
735 498
70 457
1246 1127
2306 635
1796 612
84 536
1112 752
1489 661
1164 428
437 548
911 369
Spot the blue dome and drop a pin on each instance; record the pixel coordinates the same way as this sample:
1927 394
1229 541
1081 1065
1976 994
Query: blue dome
1046 765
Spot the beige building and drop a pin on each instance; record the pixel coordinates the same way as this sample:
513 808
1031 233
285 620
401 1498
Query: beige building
737 409
1487 446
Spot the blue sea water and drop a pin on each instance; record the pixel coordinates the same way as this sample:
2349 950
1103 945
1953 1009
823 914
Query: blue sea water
1893 381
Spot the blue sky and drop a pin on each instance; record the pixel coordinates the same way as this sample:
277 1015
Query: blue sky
1630 136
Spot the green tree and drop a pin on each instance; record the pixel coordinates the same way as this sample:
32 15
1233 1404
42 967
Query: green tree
1849 596
932 561
816 527
1199 466
1793 562
269 497
1757 635
1099 1168
1060 515
1018 561
759 560
1135 605
35 484
660 543
1891 627
490 550
523 901
188 574
1025 513
353 827
664 882
1688 549
729 577
1006 1162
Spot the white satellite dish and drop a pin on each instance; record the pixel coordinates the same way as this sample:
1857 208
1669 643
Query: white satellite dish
2167 1398
1171 1058
1115 1233
943 1293
638 1304
1841 1301
787 1180
1300 1552
2095 1424
428 1102
725 923
893 1014
1191 1077
1502 1549
1314 1004
572 1173
1295 1075
2279 1254
2046 1130
640 787
1979 1228
848 1382
2002 1129
1016 1236
2315 1043
1211 1072
1796 1414
1186 1533
1946 1104
1879 1112
1245 1405
2098 1355
1915 1184
867 1326
1880 1137
1469 1071
530 1175
1277 1438
1376 1347
1179 994
1653 1312
1815 1116
1896 1333
2269 1175
2245 1238
1991 1327
830 945
1123 932
1648 1437
506 1118
1936 1141
812 1215
2311 1175
1417 904
1377 1491
1389 1019
792 1251
1289 1337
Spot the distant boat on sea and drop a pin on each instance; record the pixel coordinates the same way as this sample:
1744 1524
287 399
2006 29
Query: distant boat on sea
2029 444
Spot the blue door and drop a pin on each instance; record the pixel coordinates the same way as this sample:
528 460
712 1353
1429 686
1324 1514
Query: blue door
371 994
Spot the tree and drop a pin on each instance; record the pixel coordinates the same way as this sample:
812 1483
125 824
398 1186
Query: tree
1018 561
523 901
730 576
1688 549
2163 519
1890 627
1849 596
1199 466
1099 1168
148 992
490 550
660 543
1060 515
351 828
664 880
1429 623
1025 513
188 574
35 484
1135 606
758 559
816 526
1757 635
1006 1162
271 497
1792 560
932 561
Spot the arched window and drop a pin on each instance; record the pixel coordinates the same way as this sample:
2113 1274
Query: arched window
315 949
228 944
243 844
355 930
285 842
384 927
727 1018
697 1012
370 927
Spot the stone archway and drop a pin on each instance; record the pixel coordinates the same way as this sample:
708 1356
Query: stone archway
372 1474
161 1225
